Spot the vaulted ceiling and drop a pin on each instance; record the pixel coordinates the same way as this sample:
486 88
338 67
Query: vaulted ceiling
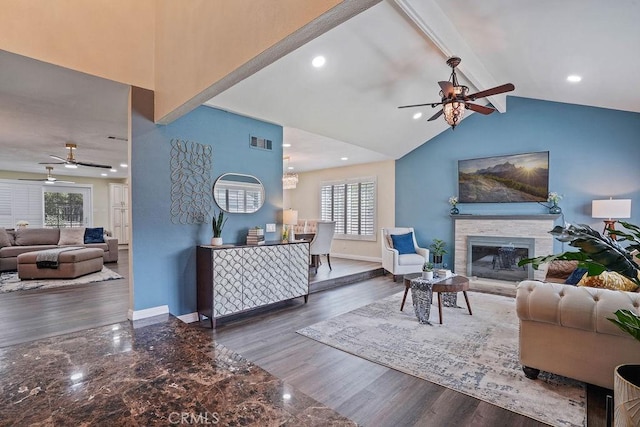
392 54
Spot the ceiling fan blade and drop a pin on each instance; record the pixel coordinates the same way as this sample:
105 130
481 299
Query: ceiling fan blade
58 158
31 179
52 163
92 165
480 108
493 91
436 115
57 181
433 104
447 89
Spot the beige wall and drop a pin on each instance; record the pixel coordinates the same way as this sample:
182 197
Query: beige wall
100 192
186 52
306 199
197 46
113 39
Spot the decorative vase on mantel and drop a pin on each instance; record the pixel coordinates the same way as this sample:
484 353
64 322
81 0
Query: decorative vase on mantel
454 211
555 209
216 241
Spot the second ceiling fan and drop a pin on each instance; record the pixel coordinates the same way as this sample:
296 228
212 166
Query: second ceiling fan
71 162
455 99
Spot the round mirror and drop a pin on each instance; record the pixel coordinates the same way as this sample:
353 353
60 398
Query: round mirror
238 193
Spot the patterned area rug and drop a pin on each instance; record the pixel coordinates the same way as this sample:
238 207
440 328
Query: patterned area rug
475 355
9 281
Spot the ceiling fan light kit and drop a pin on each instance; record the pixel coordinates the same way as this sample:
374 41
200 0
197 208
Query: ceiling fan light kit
454 98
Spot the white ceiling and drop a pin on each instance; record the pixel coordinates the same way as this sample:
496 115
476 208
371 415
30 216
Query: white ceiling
43 106
392 54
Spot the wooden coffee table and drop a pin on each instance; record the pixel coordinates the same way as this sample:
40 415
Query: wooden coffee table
452 284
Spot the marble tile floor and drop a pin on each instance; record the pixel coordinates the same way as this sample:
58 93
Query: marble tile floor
164 373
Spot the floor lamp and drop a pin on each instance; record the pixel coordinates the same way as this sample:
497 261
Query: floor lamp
610 208
290 218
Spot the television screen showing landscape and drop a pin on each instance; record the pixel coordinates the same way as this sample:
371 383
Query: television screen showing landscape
504 179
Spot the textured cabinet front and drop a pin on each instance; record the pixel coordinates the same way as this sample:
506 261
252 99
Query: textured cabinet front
231 280
227 281
298 271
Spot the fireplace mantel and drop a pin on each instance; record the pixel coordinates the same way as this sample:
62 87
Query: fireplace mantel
514 217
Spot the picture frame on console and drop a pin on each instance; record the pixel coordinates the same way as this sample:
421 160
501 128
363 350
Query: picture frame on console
513 178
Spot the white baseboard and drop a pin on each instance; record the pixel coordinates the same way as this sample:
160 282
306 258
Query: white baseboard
147 312
189 317
357 257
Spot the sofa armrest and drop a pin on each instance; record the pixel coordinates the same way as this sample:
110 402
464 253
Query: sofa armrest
112 244
575 307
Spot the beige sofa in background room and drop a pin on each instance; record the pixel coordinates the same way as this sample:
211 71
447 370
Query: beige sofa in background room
22 240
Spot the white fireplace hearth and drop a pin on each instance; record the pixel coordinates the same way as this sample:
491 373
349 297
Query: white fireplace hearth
533 229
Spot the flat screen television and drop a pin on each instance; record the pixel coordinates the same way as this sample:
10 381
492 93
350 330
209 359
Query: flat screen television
504 179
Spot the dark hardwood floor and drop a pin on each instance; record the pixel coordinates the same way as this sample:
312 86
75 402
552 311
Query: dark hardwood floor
31 315
370 394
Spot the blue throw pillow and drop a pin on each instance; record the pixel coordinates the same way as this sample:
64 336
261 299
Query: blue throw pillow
94 235
575 276
403 243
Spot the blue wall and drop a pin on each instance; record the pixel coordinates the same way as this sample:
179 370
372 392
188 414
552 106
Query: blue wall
163 252
594 153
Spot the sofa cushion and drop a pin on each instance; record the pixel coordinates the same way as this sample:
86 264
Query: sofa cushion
411 259
71 236
102 246
608 280
4 238
37 236
576 276
560 269
14 251
403 243
94 235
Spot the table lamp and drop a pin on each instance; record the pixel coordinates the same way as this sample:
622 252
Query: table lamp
618 208
290 218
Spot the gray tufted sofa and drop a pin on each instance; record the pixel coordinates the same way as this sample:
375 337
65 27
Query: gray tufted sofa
564 330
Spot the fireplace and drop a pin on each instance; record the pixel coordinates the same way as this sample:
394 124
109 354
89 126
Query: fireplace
493 257
517 229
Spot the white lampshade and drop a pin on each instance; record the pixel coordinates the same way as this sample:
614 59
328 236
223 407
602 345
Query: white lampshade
290 217
619 208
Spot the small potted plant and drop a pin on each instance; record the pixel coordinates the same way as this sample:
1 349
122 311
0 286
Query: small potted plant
217 224
554 198
427 271
438 250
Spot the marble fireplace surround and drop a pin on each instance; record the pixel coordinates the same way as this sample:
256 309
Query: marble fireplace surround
536 227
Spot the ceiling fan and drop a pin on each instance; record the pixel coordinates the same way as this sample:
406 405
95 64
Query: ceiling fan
71 162
455 99
50 179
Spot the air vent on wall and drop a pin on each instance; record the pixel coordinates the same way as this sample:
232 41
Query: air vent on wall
265 144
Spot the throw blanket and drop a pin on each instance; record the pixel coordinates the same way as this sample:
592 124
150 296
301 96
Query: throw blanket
48 258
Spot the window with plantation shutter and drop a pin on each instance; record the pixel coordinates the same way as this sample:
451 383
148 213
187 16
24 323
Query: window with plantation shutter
352 205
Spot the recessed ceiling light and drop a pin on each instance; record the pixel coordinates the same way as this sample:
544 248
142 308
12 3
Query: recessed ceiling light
417 115
103 174
290 168
286 145
574 78
318 61
124 165
344 158
113 170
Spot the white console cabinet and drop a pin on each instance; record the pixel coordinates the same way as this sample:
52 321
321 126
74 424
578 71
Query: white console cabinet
240 278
